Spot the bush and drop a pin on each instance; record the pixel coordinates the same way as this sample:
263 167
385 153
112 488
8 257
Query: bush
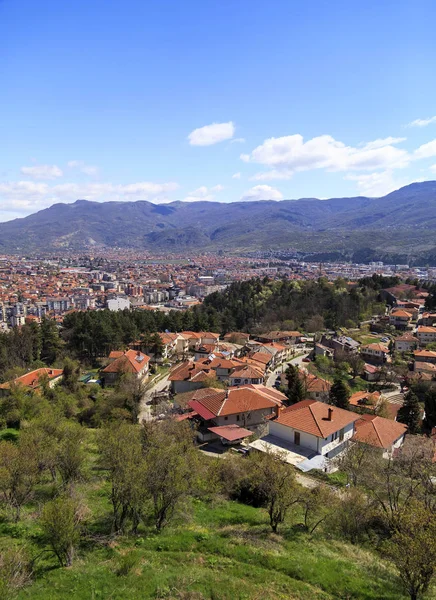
126 563
15 570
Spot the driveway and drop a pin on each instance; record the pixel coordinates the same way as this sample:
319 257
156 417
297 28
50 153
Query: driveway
282 368
145 413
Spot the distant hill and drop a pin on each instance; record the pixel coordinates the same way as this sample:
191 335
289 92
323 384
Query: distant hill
399 227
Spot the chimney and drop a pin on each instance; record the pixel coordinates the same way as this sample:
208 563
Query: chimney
138 353
330 414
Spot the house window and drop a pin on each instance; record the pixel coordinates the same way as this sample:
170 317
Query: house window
297 438
238 417
341 435
226 418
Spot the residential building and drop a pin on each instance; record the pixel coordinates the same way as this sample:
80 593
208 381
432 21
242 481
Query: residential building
245 406
377 353
400 319
406 342
385 434
316 426
33 379
426 335
131 362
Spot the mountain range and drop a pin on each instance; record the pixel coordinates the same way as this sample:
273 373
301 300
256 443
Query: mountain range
399 227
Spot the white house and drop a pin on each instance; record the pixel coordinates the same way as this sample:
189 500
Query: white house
315 426
406 343
385 434
426 335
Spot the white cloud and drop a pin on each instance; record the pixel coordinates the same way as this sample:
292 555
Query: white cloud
83 167
203 194
379 184
42 171
433 168
211 134
422 122
426 150
23 197
238 141
290 154
261 192
236 176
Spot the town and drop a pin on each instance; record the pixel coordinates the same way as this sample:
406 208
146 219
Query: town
335 405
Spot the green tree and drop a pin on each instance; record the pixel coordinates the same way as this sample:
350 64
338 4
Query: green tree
274 481
18 475
170 458
70 456
412 548
51 341
410 413
121 454
296 390
340 394
62 522
70 375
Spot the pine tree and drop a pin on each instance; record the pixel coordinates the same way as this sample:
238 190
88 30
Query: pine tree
295 391
339 394
410 413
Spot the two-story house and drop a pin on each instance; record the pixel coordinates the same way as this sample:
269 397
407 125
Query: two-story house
131 362
400 319
377 353
406 342
426 335
244 375
245 406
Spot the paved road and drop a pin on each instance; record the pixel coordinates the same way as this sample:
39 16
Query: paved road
145 409
295 361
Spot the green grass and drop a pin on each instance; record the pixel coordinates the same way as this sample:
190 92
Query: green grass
9 434
221 551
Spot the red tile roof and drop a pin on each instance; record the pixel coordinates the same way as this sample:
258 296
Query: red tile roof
231 432
31 379
312 417
131 361
377 431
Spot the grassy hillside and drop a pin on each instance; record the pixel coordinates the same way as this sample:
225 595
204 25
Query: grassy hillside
221 550
224 551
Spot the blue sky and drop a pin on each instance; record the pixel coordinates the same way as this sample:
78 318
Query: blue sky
206 100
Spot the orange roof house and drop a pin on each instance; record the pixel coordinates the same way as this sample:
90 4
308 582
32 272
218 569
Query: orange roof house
32 379
379 432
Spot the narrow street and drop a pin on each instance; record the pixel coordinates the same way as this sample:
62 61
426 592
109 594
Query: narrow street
282 368
145 408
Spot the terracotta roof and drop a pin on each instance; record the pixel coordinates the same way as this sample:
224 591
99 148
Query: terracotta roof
234 401
116 354
377 431
370 368
406 337
231 432
364 398
246 371
261 357
401 313
31 379
314 383
312 417
131 361
377 347
424 329
424 354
